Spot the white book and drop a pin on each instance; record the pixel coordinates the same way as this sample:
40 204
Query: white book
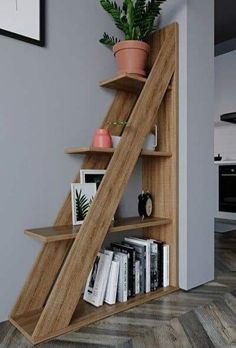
96 283
166 271
137 277
138 241
122 294
112 284
106 273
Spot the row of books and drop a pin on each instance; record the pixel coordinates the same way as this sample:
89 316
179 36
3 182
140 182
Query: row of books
132 267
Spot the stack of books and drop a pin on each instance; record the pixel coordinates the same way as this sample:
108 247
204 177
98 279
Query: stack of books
132 267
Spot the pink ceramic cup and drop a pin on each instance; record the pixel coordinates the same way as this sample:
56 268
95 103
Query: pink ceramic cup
102 138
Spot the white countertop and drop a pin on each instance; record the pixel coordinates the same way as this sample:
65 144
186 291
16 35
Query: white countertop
222 163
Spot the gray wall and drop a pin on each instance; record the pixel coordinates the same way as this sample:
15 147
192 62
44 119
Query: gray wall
50 99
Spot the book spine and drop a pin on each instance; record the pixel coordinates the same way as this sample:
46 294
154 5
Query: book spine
112 284
148 277
166 281
122 279
140 256
137 277
131 265
125 280
153 267
133 291
160 264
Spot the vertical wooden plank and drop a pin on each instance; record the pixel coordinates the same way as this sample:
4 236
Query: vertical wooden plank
161 177
69 285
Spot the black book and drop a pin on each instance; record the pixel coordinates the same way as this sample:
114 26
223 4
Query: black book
140 255
131 265
154 265
160 272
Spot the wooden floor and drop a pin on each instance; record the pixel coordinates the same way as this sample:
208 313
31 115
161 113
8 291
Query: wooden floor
204 317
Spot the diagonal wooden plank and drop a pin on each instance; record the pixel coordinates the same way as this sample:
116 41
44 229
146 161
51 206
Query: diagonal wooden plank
69 285
40 279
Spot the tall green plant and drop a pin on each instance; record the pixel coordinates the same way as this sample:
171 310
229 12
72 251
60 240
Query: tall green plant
136 18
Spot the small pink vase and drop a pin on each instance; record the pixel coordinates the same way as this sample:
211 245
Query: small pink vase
102 138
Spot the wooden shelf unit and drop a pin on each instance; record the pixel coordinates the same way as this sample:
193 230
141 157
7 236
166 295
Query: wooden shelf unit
50 301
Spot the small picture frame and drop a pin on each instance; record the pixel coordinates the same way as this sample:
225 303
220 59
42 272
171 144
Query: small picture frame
82 196
92 176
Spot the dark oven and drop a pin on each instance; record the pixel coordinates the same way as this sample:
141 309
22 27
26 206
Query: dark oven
227 188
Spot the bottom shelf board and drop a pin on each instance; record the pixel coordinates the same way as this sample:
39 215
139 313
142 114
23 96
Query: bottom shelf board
85 314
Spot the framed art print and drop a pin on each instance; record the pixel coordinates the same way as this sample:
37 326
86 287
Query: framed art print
82 196
92 176
23 20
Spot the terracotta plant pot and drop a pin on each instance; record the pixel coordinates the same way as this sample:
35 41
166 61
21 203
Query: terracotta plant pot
131 56
102 138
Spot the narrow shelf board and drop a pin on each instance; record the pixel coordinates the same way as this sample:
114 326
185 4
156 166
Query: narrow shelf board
125 82
57 233
86 150
86 314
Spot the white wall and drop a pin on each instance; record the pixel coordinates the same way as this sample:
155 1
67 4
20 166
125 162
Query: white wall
50 99
200 143
225 102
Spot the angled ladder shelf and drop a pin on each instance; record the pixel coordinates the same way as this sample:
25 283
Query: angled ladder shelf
50 302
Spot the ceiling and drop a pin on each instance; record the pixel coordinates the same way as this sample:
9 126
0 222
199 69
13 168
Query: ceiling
225 20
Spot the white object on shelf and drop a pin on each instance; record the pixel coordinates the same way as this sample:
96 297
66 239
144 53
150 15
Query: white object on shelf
151 141
112 283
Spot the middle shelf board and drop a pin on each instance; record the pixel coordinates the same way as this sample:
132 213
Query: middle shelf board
57 233
110 151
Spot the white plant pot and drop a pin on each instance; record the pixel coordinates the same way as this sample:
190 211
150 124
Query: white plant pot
151 141
115 140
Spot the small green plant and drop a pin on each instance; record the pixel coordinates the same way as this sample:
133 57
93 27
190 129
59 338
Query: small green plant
136 18
82 205
117 123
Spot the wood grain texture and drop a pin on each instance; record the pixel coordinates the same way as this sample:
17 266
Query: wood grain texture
57 233
68 286
96 150
125 82
86 314
161 177
41 278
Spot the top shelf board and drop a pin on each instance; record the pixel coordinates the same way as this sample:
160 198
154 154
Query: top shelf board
110 151
125 82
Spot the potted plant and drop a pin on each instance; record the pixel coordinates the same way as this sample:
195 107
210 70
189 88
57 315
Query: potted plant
136 18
